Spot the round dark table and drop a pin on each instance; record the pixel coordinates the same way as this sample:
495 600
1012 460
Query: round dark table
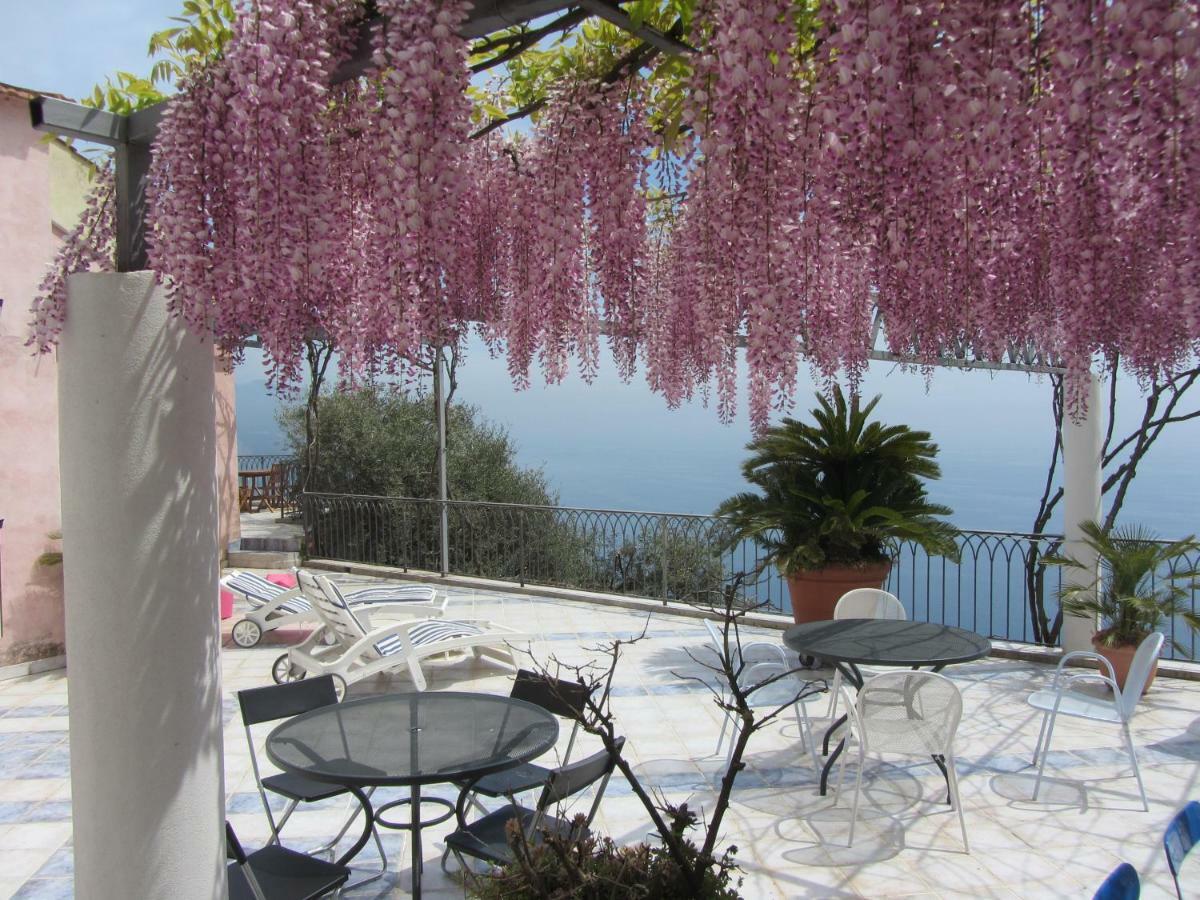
410 740
881 642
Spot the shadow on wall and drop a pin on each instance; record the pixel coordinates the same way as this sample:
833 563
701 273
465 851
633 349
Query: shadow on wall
139 522
229 526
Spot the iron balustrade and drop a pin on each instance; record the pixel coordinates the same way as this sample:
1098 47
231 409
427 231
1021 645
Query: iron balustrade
673 556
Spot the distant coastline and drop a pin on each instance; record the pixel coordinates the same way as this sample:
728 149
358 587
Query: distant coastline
617 446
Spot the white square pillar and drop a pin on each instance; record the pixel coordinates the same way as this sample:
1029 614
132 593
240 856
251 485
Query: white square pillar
139 513
1082 474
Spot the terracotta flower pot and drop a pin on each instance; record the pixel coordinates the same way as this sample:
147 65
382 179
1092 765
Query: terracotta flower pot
1121 657
814 594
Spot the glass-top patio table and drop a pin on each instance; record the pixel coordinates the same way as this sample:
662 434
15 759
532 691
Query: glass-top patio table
847 643
410 740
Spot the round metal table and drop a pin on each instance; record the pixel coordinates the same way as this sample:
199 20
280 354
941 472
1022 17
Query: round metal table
881 642
410 740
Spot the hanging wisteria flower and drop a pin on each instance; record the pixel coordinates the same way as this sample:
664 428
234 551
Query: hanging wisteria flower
88 246
976 178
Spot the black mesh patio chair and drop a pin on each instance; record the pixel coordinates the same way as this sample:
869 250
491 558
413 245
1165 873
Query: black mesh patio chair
283 701
567 699
277 873
486 838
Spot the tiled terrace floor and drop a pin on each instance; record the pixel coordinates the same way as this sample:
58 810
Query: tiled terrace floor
792 843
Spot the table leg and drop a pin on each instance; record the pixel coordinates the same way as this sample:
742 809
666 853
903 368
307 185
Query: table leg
851 674
415 799
369 817
837 751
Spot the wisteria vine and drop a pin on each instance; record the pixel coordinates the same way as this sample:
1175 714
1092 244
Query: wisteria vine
988 175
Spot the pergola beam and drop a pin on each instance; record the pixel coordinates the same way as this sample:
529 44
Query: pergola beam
613 13
485 17
72 120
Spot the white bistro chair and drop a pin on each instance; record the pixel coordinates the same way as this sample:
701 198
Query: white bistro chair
773 694
1062 699
922 723
862 603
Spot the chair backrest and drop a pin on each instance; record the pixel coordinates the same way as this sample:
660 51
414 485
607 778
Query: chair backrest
253 587
282 701
577 776
1139 673
1181 835
234 851
717 636
913 713
555 695
327 599
869 603
233 847
1121 884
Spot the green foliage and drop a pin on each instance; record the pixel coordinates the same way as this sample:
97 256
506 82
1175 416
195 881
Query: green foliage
674 564
595 868
837 491
1142 581
383 442
202 31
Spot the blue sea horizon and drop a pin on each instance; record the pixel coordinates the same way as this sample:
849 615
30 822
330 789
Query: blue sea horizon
611 445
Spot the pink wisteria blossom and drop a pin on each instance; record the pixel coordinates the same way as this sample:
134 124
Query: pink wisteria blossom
976 176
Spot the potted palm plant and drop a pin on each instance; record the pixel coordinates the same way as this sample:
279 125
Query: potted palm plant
832 495
1140 582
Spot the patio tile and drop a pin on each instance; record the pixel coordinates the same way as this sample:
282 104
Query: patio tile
35 836
792 843
46 889
60 864
22 863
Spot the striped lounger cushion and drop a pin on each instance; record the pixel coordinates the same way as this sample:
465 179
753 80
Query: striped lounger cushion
260 592
407 593
425 633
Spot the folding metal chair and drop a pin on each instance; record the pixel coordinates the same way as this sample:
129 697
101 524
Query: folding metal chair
283 701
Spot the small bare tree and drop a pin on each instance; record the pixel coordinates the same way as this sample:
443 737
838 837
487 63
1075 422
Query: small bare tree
733 685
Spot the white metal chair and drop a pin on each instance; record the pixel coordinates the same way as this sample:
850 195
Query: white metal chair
1061 699
922 723
360 649
771 695
862 603
275 606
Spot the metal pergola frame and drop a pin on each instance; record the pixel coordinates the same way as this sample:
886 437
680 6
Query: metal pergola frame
131 136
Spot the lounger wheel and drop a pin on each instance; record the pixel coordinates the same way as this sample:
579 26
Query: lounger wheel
339 686
246 633
284 672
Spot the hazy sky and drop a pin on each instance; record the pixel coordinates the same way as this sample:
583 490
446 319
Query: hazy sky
67 46
615 445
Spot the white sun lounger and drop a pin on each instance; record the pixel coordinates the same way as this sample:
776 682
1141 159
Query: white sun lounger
275 606
360 649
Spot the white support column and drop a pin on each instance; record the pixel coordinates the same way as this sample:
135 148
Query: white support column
439 398
139 513
1082 473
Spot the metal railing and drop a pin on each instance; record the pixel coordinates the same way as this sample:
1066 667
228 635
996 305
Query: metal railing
668 556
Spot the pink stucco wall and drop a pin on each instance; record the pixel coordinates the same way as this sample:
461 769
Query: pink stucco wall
31 595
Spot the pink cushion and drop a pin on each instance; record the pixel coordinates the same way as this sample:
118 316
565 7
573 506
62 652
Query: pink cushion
226 604
283 579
